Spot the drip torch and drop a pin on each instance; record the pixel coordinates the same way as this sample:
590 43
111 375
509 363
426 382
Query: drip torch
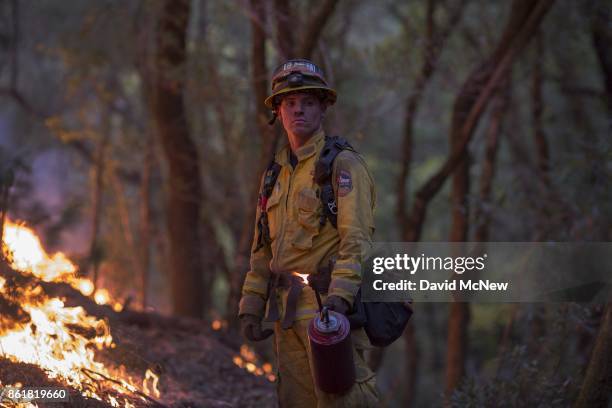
329 334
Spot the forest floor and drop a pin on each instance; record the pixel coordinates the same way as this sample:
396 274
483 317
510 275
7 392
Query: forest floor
196 363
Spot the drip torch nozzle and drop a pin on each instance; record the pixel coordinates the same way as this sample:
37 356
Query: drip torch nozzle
325 314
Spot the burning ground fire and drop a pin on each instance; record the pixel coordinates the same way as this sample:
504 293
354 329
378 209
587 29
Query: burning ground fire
61 340
248 360
27 255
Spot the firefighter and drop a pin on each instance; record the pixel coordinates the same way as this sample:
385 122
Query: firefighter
296 236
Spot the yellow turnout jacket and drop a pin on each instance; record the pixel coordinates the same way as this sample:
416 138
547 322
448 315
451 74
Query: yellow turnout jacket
299 244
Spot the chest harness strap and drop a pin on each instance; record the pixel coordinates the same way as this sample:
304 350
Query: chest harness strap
263 229
323 177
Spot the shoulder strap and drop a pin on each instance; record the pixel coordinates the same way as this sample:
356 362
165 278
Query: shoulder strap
323 176
263 230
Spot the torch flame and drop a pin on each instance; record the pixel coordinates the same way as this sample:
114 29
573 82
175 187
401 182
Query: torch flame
304 277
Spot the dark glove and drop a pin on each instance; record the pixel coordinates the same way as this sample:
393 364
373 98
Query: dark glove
337 304
250 326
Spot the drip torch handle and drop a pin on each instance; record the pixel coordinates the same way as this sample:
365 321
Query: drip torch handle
318 295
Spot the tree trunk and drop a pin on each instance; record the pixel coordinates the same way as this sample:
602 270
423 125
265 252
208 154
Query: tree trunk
12 91
601 37
216 173
524 19
183 182
285 27
259 82
538 323
539 136
7 177
412 365
483 212
95 251
314 28
432 48
144 239
123 210
597 385
459 315
458 320
145 26
460 311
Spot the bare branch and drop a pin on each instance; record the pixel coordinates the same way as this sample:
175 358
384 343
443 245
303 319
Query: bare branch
23 103
285 27
432 48
314 28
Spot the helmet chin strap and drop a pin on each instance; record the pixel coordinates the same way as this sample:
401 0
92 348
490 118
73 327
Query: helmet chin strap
274 116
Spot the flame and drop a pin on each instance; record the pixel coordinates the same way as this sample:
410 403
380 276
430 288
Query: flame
101 296
113 401
26 254
238 361
61 340
154 380
304 277
248 360
86 287
22 247
216 325
25 251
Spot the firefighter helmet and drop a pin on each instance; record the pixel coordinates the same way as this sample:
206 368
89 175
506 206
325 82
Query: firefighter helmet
296 75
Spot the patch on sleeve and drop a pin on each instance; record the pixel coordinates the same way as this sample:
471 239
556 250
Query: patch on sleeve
345 183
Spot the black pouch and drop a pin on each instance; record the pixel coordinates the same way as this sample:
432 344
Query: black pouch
384 322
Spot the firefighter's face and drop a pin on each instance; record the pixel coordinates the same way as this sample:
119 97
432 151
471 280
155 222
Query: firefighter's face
301 113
